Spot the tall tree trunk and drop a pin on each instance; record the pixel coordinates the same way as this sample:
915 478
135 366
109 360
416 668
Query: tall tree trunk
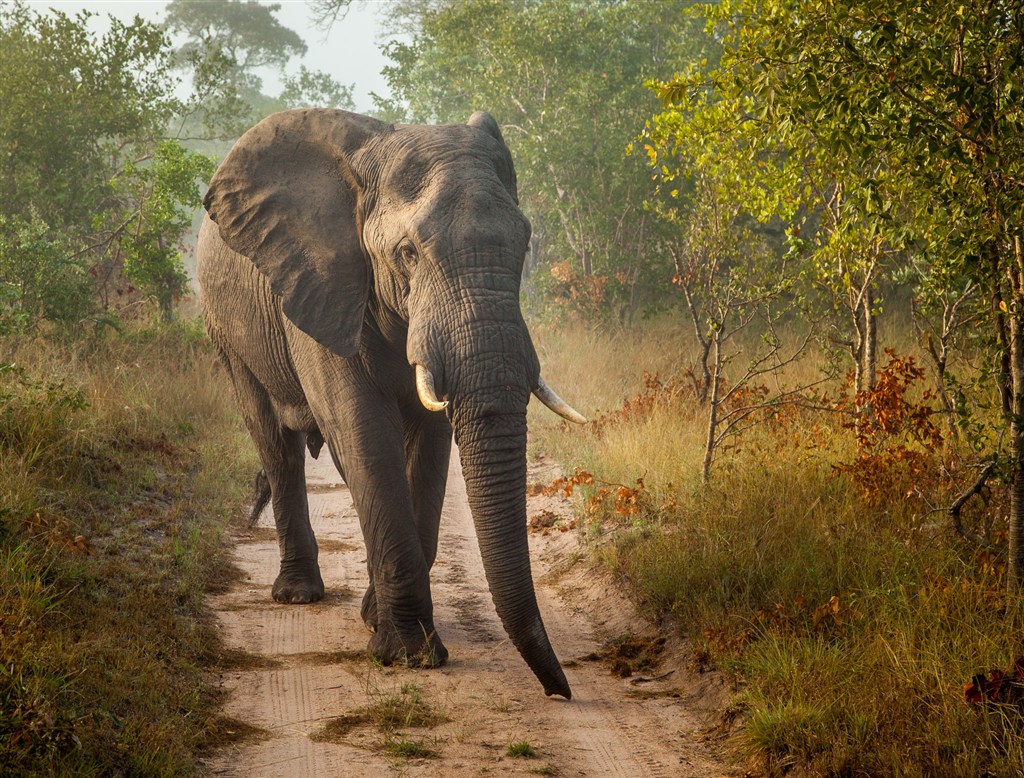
857 350
1003 379
1015 561
636 270
710 443
870 350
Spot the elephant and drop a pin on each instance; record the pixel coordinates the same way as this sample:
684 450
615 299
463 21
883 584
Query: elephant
360 282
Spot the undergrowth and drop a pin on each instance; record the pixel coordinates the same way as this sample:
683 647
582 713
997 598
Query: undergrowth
121 459
818 567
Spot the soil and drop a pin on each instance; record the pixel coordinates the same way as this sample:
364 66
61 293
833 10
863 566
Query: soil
311 702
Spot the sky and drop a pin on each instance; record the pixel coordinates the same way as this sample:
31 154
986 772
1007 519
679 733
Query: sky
349 52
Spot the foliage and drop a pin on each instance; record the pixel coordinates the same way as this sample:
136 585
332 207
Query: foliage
896 435
91 194
541 69
904 126
41 275
226 47
245 33
164 191
311 88
997 686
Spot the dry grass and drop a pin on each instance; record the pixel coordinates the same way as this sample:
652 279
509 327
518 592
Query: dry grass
849 618
121 460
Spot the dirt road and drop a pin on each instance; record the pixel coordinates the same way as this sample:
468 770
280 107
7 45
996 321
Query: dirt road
321 707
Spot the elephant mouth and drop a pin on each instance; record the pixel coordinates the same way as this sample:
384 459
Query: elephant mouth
428 397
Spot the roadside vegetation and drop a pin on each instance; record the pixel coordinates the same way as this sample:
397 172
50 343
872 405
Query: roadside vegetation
122 457
121 462
820 569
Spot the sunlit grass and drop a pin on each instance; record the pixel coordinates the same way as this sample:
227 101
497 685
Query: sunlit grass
121 459
850 619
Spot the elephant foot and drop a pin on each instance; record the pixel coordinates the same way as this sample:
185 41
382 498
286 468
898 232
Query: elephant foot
368 610
422 649
298 589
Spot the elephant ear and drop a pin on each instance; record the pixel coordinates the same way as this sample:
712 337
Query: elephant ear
482 120
287 198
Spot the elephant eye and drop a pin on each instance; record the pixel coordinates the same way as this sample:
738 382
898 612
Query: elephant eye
407 253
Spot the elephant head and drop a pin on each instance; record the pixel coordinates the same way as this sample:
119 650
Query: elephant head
417 230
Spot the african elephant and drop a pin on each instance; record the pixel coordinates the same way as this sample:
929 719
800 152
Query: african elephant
361 283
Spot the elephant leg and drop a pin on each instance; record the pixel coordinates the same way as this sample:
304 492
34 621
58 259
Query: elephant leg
282 454
428 442
368 437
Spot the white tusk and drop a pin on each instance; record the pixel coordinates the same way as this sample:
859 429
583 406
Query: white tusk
425 389
547 396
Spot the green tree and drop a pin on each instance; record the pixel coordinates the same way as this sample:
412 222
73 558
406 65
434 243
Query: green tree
920 108
228 46
316 89
161 195
89 185
245 33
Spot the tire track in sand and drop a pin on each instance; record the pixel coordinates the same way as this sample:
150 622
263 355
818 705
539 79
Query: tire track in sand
307 666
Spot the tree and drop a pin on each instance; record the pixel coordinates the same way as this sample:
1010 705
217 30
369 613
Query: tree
246 33
924 104
327 12
226 46
88 184
720 191
313 88
161 195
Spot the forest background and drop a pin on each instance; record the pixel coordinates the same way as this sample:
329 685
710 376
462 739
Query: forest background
776 258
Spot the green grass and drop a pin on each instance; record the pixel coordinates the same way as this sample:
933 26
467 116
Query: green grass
849 619
401 708
520 750
406 748
121 460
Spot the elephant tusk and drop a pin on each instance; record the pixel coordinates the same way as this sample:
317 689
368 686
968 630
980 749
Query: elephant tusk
547 396
425 389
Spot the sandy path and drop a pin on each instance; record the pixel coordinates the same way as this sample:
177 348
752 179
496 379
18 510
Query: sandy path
308 667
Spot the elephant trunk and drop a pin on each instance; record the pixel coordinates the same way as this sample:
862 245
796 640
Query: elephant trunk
493 453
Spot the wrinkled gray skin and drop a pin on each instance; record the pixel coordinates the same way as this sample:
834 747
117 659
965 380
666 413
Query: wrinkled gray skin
337 253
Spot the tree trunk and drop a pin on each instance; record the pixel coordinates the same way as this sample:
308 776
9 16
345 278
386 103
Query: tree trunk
1003 378
870 349
1015 560
712 433
857 351
636 270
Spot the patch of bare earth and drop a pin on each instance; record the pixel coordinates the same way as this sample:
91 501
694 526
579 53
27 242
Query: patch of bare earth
317 705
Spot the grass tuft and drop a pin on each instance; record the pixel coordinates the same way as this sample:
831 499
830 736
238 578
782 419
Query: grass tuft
389 712
521 750
406 748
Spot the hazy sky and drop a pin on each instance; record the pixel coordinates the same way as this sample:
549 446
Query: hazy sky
350 52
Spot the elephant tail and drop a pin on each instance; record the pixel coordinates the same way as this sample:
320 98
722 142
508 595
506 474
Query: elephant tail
261 496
